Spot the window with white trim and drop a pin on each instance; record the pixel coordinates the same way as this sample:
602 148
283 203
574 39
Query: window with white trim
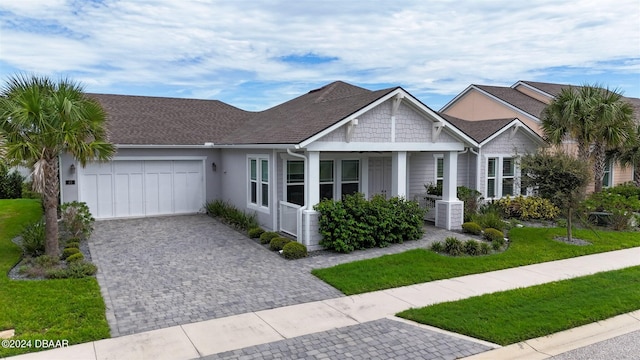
491 177
259 181
508 176
350 178
606 179
295 182
439 172
326 179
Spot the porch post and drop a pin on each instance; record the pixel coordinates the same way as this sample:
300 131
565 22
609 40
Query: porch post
450 210
399 174
313 188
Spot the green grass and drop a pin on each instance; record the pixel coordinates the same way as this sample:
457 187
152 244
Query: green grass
528 246
66 309
517 315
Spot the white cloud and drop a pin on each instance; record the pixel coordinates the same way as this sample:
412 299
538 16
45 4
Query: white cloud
209 46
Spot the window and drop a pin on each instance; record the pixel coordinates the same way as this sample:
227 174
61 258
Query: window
491 177
508 176
350 177
439 172
295 182
606 179
259 181
326 179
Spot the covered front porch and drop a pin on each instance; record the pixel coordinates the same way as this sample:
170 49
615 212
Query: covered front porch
307 177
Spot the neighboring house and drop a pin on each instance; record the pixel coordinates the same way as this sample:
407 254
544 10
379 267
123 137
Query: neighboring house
525 100
173 155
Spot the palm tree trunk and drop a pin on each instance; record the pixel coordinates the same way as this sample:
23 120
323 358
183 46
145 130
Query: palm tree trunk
599 163
583 151
51 191
636 174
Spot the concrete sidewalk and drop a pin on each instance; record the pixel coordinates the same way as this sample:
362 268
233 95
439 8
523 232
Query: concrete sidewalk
261 327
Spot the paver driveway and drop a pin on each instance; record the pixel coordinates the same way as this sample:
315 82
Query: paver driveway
166 271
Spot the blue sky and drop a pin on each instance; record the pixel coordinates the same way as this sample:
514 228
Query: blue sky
257 54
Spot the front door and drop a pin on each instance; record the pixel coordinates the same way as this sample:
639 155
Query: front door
380 176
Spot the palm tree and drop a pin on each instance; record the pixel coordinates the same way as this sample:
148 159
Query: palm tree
629 155
597 118
41 119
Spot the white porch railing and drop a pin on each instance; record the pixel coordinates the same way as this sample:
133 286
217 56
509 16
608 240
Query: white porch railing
289 218
428 202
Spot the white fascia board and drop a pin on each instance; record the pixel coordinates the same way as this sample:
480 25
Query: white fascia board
257 146
215 146
383 147
515 122
151 146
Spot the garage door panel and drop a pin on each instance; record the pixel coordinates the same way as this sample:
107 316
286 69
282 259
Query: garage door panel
105 195
129 197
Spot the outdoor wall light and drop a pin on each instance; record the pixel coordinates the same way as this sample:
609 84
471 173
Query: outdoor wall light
213 166
72 169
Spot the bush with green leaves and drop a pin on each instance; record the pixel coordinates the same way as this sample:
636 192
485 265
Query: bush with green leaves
232 215
75 270
75 257
493 234
33 239
356 223
489 219
266 237
68 252
497 243
619 208
10 182
277 243
76 219
472 247
437 247
528 208
471 198
72 243
472 228
485 248
255 232
453 246
294 250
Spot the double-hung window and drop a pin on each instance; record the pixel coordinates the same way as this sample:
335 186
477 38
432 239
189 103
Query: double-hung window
439 172
295 182
491 177
508 176
350 178
259 181
326 179
501 177
606 179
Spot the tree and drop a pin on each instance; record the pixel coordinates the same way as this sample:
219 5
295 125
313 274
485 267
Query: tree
41 119
558 177
597 118
629 155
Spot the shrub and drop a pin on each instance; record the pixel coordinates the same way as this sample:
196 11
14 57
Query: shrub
46 261
493 234
277 243
76 219
472 228
68 252
485 248
613 202
266 237
33 238
75 257
497 244
28 193
294 250
231 215
437 247
528 208
357 223
75 270
72 244
10 183
472 247
471 198
453 246
255 232
489 219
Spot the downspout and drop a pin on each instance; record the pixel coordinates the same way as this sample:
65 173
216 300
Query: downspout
306 195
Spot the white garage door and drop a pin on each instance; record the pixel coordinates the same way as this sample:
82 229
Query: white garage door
133 188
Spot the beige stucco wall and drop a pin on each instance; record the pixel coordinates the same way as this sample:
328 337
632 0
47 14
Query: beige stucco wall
534 94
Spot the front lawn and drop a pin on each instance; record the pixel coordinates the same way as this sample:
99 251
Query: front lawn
518 315
527 246
65 309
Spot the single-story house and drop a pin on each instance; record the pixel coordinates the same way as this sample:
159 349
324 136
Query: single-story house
526 100
173 155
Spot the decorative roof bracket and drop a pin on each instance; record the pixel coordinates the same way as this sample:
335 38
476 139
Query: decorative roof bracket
435 132
349 129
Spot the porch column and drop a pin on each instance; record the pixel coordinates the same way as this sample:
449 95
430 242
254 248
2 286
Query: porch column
399 174
450 210
313 182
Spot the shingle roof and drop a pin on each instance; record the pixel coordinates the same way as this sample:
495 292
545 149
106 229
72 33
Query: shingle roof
478 130
172 121
515 98
168 121
297 120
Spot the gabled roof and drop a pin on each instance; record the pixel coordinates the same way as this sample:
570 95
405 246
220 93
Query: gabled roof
550 89
483 130
297 120
515 98
144 120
